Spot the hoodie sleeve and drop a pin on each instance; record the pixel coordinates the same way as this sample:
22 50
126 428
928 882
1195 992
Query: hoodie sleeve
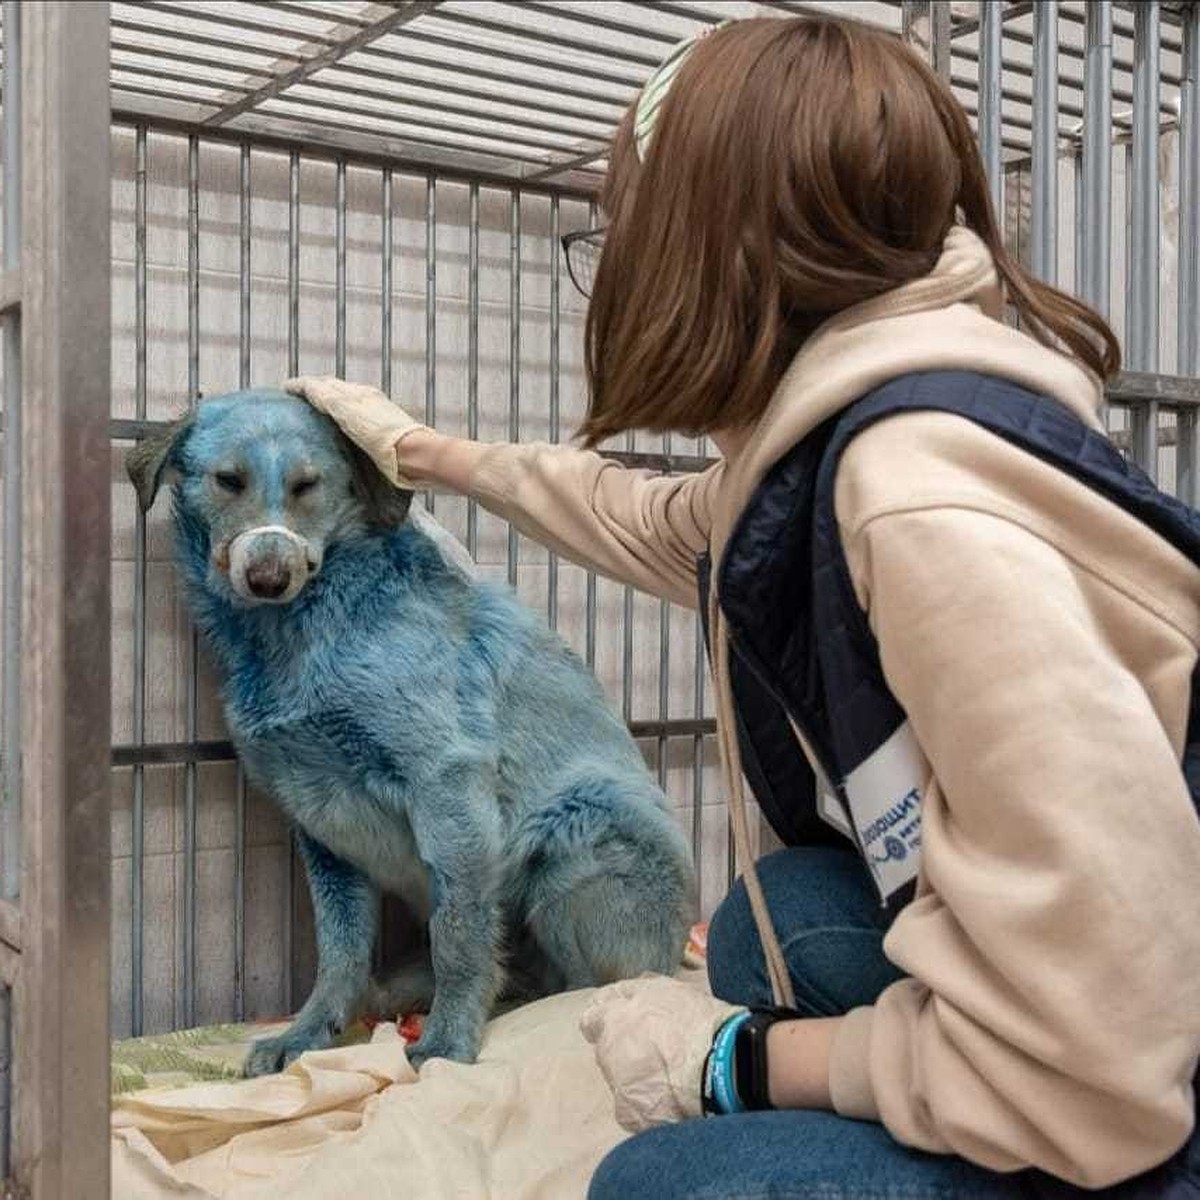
633 526
1052 1014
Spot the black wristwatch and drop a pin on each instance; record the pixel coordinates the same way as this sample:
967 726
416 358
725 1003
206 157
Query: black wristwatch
750 1056
735 1077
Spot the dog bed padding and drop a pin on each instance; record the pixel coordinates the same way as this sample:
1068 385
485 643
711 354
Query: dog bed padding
529 1121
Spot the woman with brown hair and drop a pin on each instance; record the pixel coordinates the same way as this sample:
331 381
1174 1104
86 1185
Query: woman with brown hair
954 638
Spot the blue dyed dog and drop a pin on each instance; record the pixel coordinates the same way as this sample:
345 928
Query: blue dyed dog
426 733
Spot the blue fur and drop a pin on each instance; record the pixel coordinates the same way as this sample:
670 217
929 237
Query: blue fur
430 737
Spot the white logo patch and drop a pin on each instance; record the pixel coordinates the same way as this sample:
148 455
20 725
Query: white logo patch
884 794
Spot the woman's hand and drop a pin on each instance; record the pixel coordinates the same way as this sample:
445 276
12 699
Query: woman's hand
651 1037
366 416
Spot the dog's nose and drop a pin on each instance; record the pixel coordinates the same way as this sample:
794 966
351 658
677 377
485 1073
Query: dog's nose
268 578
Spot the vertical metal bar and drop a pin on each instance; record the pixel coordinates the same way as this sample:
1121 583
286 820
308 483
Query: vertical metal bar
664 685
1096 216
340 289
138 815
288 932
1077 201
62 1005
939 37
698 749
589 653
991 66
1044 163
627 632
186 1013
5 1078
926 25
590 602
555 346
1142 305
664 665
294 264
473 353
430 311
244 268
193 270
10 688
245 278
10 817
1189 251
239 898
514 352
385 271
385 384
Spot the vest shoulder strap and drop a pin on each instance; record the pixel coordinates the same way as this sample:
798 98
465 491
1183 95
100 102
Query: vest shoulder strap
1036 424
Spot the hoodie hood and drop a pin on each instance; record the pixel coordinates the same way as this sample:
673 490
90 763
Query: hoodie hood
951 319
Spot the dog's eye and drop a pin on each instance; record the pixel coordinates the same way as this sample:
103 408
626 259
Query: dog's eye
230 481
303 486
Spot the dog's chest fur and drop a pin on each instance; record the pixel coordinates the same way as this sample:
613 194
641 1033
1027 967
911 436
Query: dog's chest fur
336 701
357 705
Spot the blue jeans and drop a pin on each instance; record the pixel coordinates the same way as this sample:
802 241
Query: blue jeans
831 929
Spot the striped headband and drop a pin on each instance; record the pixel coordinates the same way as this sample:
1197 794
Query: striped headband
655 90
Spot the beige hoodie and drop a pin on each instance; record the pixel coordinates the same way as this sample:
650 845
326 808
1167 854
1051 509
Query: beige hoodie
1042 643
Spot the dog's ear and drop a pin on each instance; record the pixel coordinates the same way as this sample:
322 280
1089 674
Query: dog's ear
385 505
147 462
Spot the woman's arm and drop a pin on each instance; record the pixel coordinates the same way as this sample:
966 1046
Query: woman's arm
632 526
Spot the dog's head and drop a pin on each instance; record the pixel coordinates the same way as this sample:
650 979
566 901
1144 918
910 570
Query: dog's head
271 483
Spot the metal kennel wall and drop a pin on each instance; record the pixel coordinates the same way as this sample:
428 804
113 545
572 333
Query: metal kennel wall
378 190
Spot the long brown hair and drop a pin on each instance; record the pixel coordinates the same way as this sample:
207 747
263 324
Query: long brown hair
798 166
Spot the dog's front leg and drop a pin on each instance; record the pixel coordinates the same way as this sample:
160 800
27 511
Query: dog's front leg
345 912
457 830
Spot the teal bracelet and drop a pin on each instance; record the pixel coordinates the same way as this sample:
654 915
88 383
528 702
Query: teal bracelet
719 1093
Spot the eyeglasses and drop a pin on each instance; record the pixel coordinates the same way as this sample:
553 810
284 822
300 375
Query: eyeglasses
582 252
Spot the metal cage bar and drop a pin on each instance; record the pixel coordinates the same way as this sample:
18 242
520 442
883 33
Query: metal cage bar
1095 217
591 596
246 212
188 944
473 351
339 357
289 905
61 1143
387 254
10 701
555 383
991 66
514 353
1188 309
1044 173
627 632
10 695
138 806
430 310
1142 302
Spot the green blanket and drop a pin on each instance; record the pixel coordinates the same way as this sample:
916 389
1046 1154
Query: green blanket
212 1052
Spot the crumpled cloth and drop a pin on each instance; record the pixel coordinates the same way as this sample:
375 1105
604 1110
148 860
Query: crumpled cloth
529 1121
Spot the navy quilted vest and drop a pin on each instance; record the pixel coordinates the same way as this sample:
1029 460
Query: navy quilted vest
802 650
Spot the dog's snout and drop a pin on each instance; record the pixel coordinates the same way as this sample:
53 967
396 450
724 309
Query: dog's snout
269 578
270 564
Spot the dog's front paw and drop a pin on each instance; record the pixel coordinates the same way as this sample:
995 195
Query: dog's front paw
268 1056
433 1043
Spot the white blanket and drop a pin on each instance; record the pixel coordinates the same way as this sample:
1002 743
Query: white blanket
529 1121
